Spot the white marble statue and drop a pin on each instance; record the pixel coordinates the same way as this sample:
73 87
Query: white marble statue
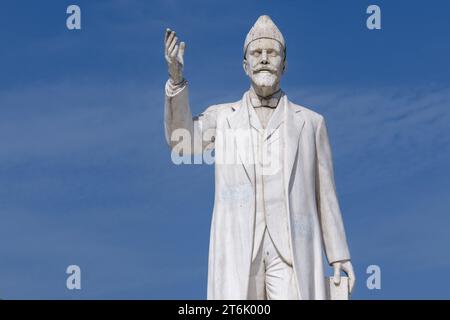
269 226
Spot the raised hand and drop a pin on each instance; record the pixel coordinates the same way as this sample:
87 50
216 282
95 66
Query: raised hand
174 56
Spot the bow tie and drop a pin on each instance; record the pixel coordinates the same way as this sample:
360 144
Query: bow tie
270 102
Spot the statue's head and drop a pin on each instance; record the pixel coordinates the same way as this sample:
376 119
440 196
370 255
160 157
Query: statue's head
264 54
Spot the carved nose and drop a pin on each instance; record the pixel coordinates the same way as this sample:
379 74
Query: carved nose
264 57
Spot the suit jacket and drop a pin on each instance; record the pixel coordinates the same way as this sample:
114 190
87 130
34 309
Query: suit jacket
315 222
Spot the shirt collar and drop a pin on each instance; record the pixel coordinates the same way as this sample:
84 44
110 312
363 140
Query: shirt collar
270 101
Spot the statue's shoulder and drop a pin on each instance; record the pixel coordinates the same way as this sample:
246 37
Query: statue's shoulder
223 109
308 114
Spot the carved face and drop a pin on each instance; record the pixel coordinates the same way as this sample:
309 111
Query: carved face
264 62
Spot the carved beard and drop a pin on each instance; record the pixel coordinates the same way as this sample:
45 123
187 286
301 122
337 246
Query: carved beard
265 79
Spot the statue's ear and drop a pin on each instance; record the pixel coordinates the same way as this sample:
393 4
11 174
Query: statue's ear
284 66
245 66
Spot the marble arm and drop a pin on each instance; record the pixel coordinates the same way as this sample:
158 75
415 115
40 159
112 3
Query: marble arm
177 113
180 125
333 233
192 134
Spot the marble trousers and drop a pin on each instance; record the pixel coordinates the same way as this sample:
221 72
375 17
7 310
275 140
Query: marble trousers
271 278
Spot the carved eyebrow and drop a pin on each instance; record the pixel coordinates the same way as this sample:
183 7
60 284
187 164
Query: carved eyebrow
251 48
267 49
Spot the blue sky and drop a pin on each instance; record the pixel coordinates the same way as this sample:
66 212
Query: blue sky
86 177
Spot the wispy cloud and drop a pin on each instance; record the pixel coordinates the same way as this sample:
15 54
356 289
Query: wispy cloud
385 133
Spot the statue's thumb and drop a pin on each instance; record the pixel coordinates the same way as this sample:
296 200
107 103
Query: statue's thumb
181 50
337 275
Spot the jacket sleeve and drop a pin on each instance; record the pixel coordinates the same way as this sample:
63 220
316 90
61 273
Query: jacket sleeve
333 233
193 134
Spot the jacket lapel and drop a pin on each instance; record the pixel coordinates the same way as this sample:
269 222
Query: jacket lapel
294 123
240 124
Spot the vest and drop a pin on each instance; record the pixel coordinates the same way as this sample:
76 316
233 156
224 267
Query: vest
270 210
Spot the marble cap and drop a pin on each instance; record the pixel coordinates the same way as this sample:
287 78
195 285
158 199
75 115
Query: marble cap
264 28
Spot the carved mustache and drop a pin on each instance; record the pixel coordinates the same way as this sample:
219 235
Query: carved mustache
265 68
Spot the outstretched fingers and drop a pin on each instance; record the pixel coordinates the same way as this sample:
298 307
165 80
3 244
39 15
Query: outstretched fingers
181 50
170 35
173 47
168 31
